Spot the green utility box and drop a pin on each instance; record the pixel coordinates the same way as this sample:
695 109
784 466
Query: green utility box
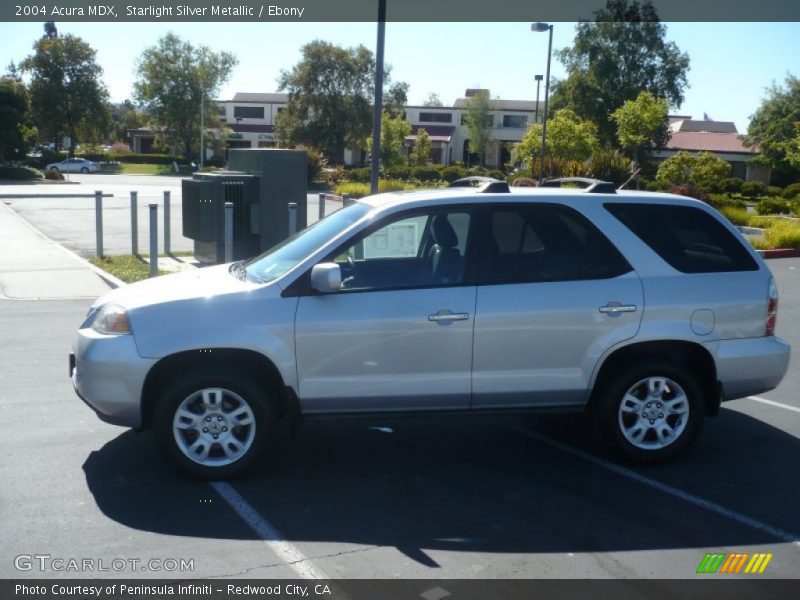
261 184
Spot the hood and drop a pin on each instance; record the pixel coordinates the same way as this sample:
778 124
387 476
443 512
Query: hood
197 283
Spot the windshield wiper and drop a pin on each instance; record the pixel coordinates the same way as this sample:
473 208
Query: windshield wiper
238 270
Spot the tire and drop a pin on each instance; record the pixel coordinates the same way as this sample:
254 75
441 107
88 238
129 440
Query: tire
651 412
84 170
201 405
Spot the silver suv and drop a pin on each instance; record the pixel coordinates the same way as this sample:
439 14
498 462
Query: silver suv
646 309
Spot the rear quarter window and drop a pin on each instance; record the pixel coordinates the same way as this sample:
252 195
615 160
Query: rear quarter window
687 238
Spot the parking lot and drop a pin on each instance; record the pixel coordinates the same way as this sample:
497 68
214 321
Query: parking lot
423 498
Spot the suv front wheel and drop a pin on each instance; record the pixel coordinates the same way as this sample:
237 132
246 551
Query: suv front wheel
213 425
652 411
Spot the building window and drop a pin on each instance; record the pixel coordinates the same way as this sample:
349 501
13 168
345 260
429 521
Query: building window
436 117
248 112
515 121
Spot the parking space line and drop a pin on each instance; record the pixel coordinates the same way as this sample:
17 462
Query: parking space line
667 489
773 403
286 551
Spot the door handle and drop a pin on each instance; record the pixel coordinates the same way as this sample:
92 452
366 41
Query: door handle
448 317
615 308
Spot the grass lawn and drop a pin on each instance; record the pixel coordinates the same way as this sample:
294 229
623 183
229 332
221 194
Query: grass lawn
126 267
136 169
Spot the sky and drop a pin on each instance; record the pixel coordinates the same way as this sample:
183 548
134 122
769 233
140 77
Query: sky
731 63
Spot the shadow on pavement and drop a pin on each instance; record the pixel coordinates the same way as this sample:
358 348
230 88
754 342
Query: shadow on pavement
472 485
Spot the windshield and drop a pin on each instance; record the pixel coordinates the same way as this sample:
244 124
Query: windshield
281 258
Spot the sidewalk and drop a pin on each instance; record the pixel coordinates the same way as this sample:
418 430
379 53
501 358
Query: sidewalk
33 267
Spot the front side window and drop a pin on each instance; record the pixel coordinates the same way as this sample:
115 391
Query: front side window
547 242
281 258
419 250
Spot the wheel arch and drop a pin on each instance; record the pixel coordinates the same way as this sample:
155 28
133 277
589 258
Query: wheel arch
690 355
254 363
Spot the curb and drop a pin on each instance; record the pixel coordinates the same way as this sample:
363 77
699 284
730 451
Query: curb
780 253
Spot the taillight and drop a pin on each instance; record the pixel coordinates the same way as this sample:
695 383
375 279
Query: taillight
772 308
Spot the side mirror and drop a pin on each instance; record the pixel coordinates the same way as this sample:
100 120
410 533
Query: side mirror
326 277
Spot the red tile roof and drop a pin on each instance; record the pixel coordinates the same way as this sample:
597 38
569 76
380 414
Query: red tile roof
705 141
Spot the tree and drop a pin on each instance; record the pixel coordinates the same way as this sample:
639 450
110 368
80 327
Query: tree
793 149
331 91
773 127
125 116
700 170
422 149
394 130
569 138
173 79
67 95
16 136
641 126
433 101
478 120
614 58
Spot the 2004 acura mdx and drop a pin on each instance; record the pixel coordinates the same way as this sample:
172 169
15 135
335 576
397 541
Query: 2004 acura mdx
648 309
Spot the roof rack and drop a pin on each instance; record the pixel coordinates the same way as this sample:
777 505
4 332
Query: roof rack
593 186
495 187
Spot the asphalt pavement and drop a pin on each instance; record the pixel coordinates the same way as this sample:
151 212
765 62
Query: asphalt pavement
437 497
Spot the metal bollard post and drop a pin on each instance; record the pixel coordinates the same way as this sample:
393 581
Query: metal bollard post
98 221
228 232
346 200
153 239
292 218
321 206
167 246
134 223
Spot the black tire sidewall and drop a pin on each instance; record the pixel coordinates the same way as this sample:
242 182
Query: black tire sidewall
612 396
172 396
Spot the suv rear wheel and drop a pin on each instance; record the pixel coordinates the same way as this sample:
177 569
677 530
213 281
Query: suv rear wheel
213 425
652 411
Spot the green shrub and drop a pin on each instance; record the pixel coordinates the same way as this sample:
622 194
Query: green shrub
774 190
773 206
398 172
428 173
20 172
54 175
689 191
737 216
359 174
359 190
719 200
732 185
453 173
477 171
150 159
496 174
315 163
791 191
783 234
654 186
753 189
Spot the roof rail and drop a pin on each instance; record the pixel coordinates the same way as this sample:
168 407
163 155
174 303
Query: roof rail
593 186
495 187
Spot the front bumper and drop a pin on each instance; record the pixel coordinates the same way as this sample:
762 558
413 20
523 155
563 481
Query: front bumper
750 366
108 374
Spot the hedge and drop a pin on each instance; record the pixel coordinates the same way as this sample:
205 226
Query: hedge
773 206
791 191
19 172
753 189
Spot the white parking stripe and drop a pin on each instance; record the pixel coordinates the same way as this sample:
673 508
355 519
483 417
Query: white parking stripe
667 489
773 403
286 551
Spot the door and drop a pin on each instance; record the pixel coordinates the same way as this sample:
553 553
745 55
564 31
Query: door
554 294
398 334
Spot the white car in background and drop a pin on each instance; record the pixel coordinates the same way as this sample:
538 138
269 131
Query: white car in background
74 165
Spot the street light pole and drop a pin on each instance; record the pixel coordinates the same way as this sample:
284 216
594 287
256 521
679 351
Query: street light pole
542 27
378 111
538 82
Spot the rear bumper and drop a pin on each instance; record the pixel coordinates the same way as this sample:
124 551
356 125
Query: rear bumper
108 375
750 366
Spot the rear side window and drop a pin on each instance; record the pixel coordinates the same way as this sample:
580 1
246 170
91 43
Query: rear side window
547 242
689 239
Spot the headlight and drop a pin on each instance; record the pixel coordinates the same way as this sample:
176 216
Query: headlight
112 320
